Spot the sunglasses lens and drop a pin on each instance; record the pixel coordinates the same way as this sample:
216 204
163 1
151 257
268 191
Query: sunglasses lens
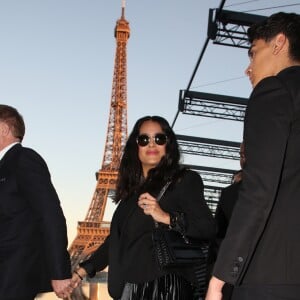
142 140
160 139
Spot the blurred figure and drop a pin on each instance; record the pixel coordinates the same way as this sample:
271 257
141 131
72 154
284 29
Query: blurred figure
228 198
33 239
260 253
151 158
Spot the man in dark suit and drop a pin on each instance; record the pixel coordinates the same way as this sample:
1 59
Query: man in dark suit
33 236
260 253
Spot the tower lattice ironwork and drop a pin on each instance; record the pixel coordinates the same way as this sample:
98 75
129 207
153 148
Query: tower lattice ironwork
92 232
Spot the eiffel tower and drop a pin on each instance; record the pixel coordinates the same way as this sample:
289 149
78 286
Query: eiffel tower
92 232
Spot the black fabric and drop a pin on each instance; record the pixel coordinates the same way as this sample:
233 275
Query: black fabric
262 243
227 291
173 249
266 292
33 232
177 221
168 287
19 298
228 198
129 249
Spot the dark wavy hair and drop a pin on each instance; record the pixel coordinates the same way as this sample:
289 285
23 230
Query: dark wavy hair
286 23
130 176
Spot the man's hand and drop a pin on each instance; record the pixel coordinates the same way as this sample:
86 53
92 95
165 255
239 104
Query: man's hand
62 288
214 291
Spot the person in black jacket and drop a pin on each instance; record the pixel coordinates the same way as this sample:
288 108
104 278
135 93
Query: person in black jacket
151 158
260 253
226 204
33 233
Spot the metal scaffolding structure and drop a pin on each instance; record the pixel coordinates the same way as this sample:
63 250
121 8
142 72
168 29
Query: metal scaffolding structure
212 105
227 28
208 147
214 180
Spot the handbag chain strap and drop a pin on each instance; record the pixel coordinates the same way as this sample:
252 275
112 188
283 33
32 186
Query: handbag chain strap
160 195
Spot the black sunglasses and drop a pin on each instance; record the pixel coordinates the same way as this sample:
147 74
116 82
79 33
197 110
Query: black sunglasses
144 139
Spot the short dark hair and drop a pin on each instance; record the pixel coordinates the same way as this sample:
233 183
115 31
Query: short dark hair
13 119
130 171
286 23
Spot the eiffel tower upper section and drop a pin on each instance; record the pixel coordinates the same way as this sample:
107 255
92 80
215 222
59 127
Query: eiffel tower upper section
117 122
93 230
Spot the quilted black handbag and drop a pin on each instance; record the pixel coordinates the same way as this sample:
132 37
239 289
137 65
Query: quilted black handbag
173 248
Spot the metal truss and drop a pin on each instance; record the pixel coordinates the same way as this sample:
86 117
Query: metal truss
229 28
212 196
208 147
214 180
213 175
212 105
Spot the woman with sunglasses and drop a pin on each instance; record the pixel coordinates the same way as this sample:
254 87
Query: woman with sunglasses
151 158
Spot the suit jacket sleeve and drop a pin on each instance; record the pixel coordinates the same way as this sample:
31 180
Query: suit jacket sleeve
35 184
266 130
98 260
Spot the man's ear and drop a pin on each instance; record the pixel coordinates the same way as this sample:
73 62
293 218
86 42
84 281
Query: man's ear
280 42
4 129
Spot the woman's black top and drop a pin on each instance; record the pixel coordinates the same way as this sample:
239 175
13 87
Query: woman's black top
128 250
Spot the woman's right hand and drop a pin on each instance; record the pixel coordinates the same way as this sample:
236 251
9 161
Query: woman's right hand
152 208
77 277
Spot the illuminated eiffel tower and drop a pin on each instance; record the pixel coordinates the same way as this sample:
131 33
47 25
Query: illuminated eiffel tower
92 232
